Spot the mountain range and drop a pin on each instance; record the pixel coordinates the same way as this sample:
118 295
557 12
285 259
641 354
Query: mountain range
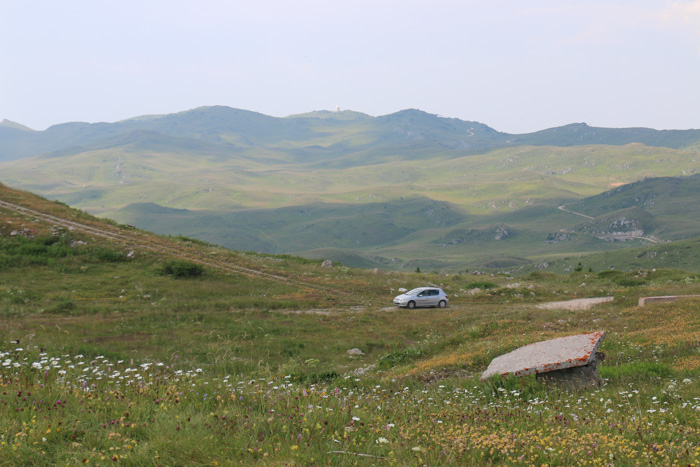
404 190
323 134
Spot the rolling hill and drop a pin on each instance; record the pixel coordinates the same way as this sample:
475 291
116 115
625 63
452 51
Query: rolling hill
126 347
338 134
404 190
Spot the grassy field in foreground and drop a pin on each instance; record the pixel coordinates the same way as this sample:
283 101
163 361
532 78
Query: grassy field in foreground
156 376
109 359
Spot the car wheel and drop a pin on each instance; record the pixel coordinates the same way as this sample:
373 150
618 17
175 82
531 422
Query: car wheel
442 304
411 304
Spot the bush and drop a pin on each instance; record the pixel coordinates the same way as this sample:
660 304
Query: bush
108 256
181 268
400 356
630 282
482 285
610 274
315 378
63 306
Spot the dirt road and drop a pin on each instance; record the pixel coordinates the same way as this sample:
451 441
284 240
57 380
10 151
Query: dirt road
142 241
576 304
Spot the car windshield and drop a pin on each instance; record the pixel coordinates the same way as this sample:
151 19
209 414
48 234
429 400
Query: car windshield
414 291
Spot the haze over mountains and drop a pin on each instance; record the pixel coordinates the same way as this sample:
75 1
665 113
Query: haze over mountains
320 133
402 190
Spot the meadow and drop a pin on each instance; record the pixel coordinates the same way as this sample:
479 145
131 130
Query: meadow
377 211
111 354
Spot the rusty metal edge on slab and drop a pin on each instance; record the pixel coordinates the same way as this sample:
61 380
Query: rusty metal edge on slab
549 355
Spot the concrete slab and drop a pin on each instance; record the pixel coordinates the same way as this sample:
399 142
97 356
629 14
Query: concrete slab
546 356
664 298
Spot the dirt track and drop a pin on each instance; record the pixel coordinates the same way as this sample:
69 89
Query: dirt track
576 304
141 241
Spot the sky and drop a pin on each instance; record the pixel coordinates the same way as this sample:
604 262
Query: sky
517 66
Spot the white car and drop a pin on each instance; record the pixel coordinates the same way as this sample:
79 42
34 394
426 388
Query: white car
422 296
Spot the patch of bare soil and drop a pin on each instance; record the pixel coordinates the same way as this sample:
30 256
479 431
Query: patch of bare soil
576 304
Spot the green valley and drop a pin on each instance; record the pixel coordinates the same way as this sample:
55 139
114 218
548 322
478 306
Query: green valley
123 347
399 191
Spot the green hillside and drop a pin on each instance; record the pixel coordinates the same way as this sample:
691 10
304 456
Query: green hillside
681 254
121 347
404 190
582 134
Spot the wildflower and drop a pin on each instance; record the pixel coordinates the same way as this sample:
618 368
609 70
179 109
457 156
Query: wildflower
416 448
382 440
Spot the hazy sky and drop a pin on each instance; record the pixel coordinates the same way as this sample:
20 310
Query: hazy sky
517 66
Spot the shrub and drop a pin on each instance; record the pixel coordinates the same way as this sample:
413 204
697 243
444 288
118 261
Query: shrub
315 378
610 274
194 241
108 256
63 306
630 282
482 285
401 356
181 268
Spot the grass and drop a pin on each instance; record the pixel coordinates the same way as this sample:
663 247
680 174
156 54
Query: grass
368 209
103 360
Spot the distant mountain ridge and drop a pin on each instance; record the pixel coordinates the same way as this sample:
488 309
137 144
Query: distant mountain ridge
404 190
339 134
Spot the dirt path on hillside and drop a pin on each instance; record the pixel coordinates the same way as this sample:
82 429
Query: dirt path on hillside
563 208
576 304
652 240
138 240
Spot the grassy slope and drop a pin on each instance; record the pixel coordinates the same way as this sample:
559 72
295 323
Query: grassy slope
259 183
228 369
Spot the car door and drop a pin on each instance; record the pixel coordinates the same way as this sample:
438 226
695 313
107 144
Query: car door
423 298
434 297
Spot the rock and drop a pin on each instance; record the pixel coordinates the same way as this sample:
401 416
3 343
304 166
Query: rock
364 370
327 263
501 233
402 290
376 271
355 352
131 254
474 291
